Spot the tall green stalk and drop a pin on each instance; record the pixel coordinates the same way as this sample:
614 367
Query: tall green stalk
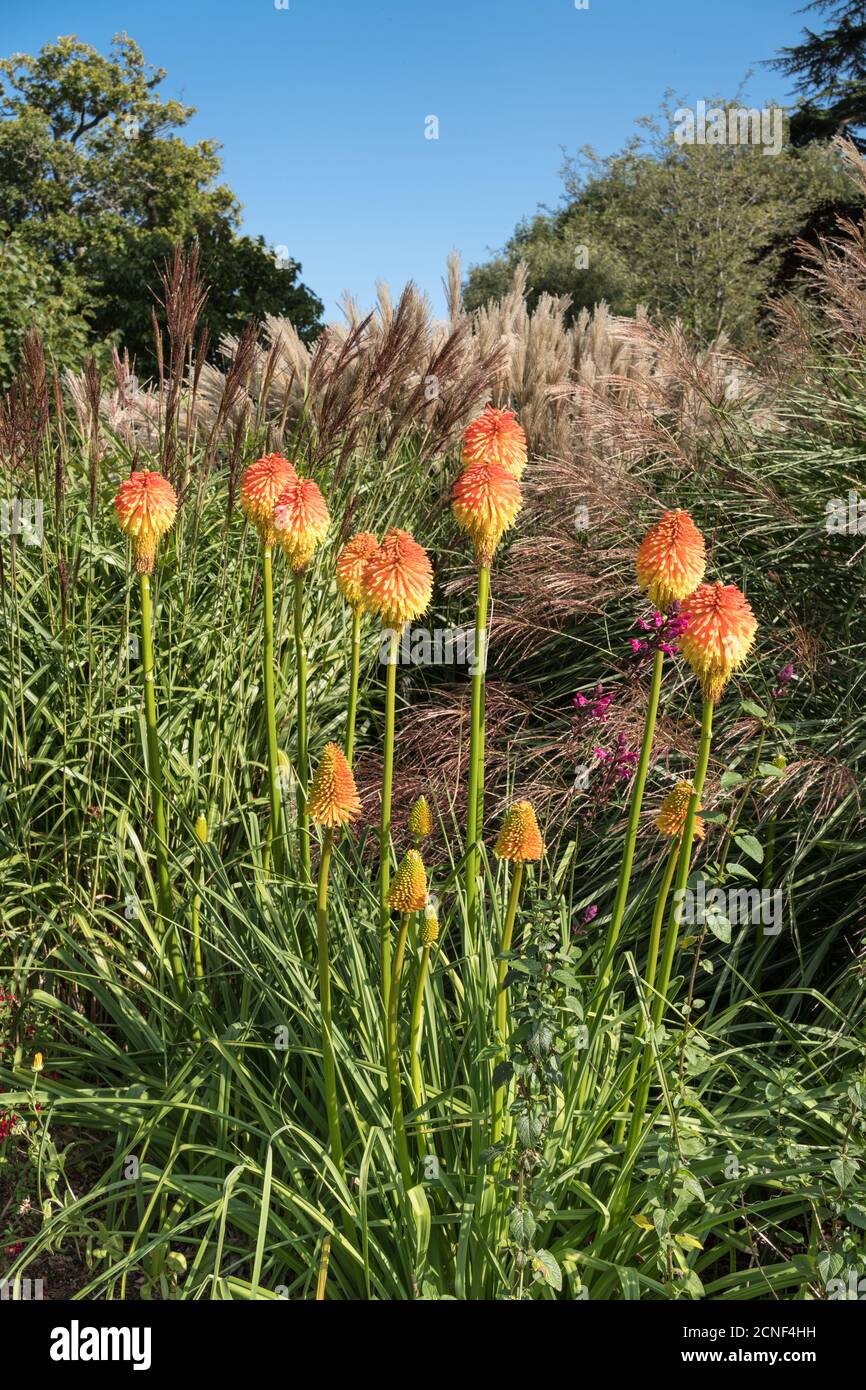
394 1055
415 1026
329 1066
476 757
385 817
627 861
303 770
649 983
684 859
154 768
353 685
634 811
274 838
201 836
502 993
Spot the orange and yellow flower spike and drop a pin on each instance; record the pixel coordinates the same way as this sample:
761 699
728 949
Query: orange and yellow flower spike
496 436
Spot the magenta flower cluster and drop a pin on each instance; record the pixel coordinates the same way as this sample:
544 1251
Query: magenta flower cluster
619 761
594 705
783 680
662 632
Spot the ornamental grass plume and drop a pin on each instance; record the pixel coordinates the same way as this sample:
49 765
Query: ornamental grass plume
720 634
408 894
397 585
145 507
485 501
496 436
261 485
671 559
350 582
519 842
333 802
301 523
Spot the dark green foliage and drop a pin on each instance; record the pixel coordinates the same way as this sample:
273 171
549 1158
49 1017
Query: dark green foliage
96 186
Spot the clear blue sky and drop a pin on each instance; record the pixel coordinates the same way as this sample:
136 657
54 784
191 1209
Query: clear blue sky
320 108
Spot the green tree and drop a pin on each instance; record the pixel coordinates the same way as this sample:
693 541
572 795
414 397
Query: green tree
96 186
693 230
830 72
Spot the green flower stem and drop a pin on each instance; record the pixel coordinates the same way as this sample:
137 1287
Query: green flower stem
385 820
303 769
476 757
683 862
201 836
394 1055
415 1026
353 685
649 982
274 838
154 768
684 859
502 994
627 861
634 811
330 1071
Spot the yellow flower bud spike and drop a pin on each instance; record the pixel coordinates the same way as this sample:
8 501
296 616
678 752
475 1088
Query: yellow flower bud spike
420 823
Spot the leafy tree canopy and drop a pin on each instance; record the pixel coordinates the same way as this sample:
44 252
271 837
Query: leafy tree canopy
95 188
830 72
693 230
